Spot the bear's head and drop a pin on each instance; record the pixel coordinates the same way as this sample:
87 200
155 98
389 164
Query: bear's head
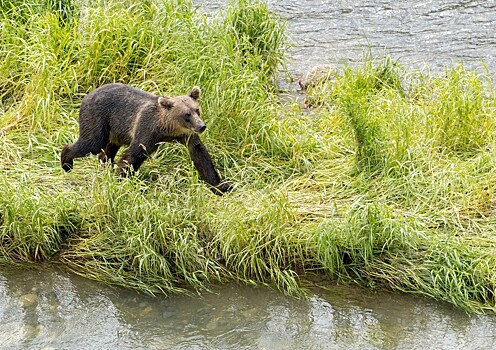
183 113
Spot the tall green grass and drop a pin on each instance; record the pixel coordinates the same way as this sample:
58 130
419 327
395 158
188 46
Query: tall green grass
388 183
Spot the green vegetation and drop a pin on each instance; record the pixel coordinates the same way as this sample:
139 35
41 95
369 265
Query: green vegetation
388 182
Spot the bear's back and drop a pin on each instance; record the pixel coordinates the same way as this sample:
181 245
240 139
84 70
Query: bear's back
117 95
115 103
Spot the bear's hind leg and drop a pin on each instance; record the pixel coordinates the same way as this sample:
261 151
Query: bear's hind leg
77 150
66 158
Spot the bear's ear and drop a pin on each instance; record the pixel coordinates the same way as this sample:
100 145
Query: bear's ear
195 93
166 102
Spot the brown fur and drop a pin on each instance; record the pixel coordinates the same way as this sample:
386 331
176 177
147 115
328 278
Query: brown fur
116 115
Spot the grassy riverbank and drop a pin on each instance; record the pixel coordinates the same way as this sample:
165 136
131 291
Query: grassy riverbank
388 182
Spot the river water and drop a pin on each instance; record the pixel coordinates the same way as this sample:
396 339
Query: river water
435 33
48 308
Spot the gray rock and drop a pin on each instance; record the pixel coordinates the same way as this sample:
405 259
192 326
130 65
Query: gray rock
317 75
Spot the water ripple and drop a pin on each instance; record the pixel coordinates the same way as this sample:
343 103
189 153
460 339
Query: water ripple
437 33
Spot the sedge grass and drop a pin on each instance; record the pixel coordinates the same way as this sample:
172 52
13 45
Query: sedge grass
388 183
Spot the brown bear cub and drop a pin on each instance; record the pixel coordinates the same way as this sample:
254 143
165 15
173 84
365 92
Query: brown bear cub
115 115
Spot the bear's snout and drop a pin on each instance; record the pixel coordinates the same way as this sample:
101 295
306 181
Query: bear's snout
202 128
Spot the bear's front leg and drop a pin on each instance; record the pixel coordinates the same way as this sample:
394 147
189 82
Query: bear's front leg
203 163
108 154
132 158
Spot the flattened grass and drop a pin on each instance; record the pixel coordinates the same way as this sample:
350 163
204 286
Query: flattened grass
389 182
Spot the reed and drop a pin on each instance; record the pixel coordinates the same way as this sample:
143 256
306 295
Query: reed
388 183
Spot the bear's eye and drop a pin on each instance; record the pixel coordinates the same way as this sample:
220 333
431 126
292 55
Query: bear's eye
187 117
197 111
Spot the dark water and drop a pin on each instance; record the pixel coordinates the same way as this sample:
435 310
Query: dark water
416 33
48 308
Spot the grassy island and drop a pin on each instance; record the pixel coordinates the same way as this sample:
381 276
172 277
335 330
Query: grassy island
388 181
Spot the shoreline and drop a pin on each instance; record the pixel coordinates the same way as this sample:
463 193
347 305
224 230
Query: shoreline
383 184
